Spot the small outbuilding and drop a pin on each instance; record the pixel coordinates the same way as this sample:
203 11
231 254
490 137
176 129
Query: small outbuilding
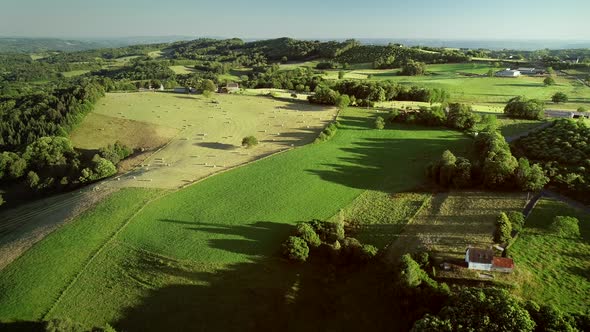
230 88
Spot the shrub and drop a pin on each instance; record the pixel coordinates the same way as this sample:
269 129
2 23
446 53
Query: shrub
296 249
102 168
516 220
379 123
566 226
522 108
368 252
328 231
549 81
503 232
307 233
559 97
461 116
582 109
116 152
63 325
249 141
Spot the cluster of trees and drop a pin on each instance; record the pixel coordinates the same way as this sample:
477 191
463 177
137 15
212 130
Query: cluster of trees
367 93
563 152
451 171
494 309
300 80
327 240
455 115
51 112
500 169
52 163
523 108
495 168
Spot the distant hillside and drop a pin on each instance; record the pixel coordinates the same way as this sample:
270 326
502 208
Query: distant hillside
39 45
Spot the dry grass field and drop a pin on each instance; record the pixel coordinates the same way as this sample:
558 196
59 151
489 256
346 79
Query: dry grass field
192 136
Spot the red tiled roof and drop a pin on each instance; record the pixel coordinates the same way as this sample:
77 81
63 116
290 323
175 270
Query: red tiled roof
507 263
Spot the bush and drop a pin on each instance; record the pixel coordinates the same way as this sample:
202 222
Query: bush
413 68
461 116
379 123
566 226
64 325
549 81
307 233
368 252
559 97
516 220
582 109
102 168
296 249
503 232
522 108
328 132
249 141
116 152
328 231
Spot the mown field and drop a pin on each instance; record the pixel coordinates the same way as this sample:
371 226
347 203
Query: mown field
203 255
551 269
451 222
202 135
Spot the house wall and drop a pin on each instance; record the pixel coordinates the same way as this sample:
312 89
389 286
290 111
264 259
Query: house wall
502 269
479 266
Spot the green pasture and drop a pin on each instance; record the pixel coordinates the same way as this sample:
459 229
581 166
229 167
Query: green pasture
212 249
75 73
31 284
551 269
485 92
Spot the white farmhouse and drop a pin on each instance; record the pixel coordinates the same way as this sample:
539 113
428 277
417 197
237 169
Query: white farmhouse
484 260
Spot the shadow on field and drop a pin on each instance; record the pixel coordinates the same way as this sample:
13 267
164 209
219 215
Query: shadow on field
267 293
22 326
216 146
383 163
518 85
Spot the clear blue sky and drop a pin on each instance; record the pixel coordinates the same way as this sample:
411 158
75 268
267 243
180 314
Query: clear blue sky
444 19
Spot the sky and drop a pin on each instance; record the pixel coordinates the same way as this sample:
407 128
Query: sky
426 19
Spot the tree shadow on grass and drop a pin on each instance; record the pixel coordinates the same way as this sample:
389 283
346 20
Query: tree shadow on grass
380 163
267 293
217 146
